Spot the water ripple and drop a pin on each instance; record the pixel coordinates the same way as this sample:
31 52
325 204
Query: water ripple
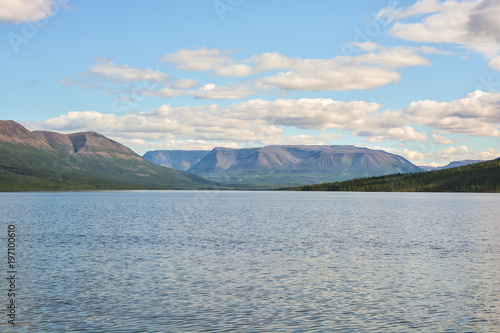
256 262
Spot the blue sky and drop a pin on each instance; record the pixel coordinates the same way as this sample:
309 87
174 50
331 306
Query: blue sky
416 78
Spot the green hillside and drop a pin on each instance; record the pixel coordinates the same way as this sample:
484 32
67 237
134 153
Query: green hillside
80 161
27 168
479 177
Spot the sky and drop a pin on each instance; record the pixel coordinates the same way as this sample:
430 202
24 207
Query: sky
420 79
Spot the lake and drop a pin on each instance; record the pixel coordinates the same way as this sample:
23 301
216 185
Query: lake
194 261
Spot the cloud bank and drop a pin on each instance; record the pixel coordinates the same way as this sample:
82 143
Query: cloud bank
470 24
265 122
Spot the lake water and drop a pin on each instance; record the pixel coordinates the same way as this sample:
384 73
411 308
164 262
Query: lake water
160 261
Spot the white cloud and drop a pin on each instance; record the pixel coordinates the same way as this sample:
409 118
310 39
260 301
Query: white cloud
409 154
366 46
201 59
495 63
19 11
380 126
441 139
108 72
164 92
207 91
490 154
363 71
405 133
433 50
211 91
419 8
477 114
442 157
385 119
124 73
316 77
146 81
412 155
277 72
473 24
277 138
185 84
236 70
393 58
255 121
305 139
204 59
464 153
452 150
306 113
273 60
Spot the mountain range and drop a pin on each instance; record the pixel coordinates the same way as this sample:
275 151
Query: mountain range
456 164
283 165
44 160
453 164
87 160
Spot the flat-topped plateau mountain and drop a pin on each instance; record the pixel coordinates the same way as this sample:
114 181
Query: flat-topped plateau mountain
284 165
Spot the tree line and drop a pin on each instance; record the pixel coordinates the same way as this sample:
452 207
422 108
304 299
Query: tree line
479 177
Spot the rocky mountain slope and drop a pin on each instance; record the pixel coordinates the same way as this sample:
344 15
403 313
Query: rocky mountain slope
42 160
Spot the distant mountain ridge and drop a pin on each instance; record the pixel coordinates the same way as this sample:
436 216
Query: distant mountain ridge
177 159
453 164
281 165
456 164
43 160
